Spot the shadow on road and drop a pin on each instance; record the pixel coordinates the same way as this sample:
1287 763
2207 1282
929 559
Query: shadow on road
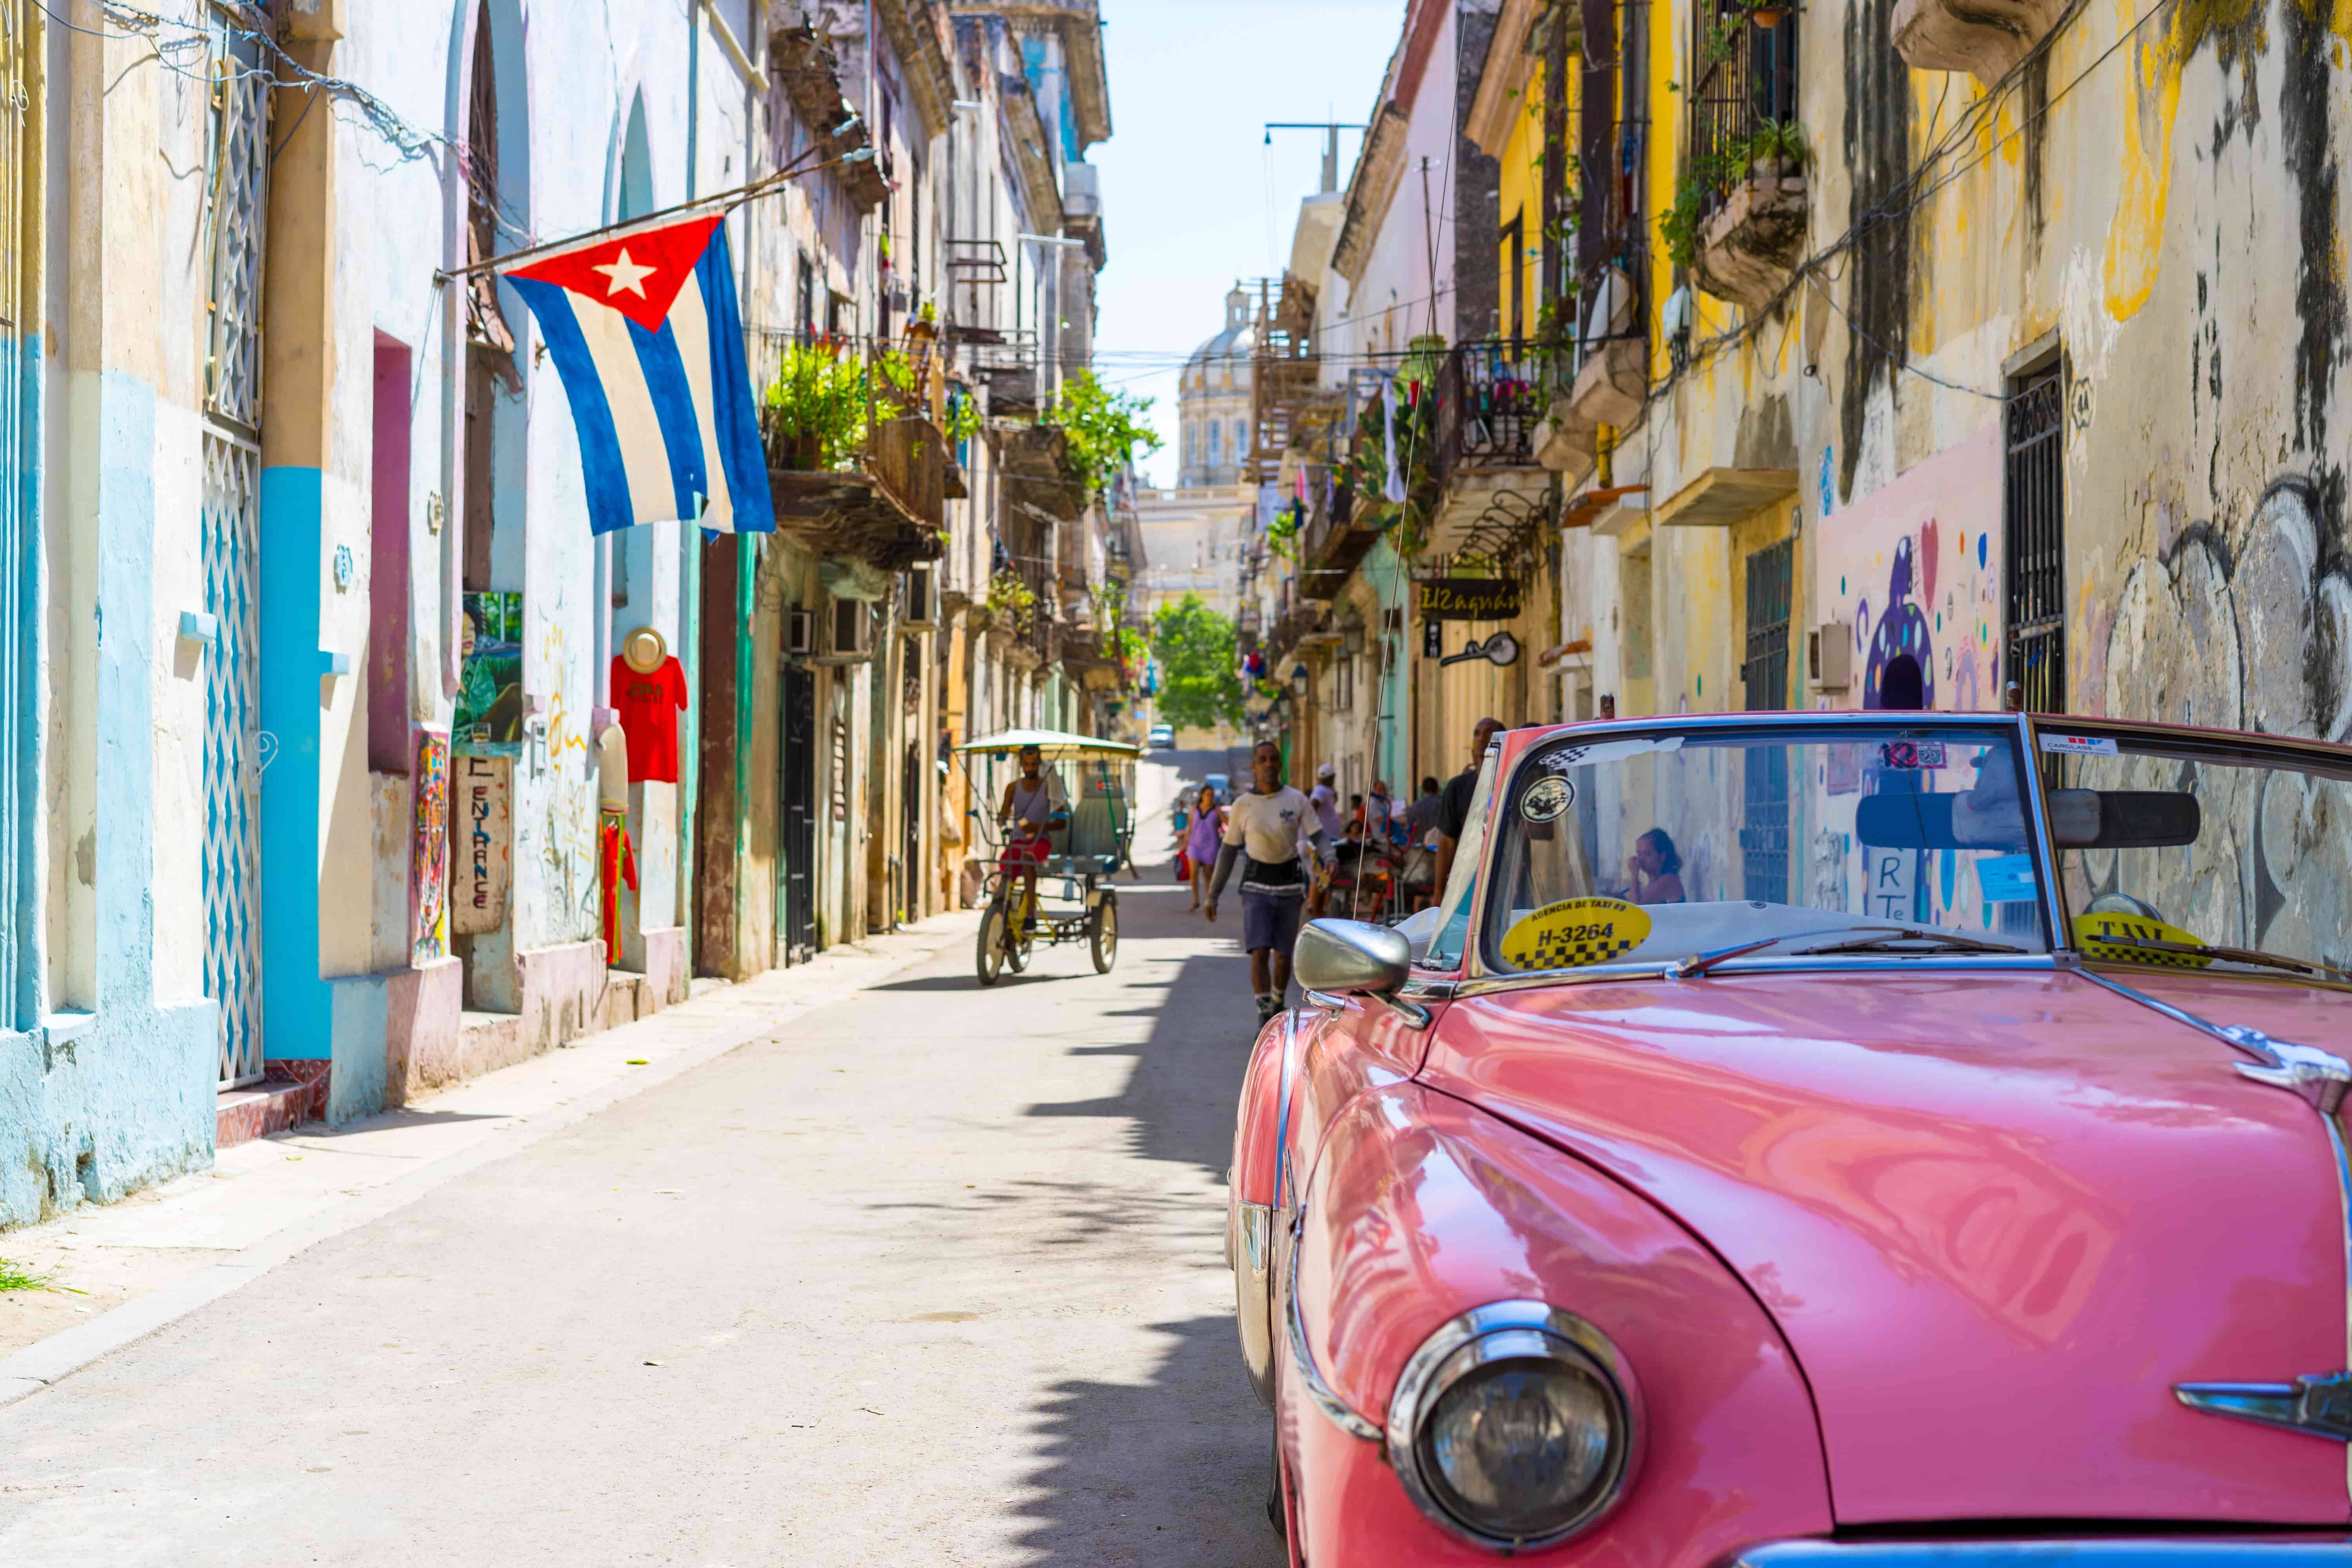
1171 1470
1178 1103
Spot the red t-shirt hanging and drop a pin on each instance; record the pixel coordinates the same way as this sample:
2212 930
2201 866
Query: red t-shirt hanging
649 706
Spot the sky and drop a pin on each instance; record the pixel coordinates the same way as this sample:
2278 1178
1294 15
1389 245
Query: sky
1193 197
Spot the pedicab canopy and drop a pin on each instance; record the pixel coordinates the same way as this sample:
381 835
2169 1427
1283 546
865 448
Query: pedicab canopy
1055 744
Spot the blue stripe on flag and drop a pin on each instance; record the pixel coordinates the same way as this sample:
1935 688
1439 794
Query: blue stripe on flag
741 455
606 476
673 407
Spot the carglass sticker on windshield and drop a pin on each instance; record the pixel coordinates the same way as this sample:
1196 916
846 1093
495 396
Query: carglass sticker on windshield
2135 938
1546 799
1585 753
2006 878
2080 745
1575 932
1908 755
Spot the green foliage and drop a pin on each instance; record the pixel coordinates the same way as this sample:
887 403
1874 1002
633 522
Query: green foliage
1012 602
963 416
1104 427
1282 534
814 414
1198 684
1779 141
13 1277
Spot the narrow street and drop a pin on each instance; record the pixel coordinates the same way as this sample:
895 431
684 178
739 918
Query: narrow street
934 1275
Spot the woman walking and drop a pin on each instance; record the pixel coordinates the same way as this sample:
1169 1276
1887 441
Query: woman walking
1202 839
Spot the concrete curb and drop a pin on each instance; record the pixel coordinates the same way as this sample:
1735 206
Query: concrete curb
28 1370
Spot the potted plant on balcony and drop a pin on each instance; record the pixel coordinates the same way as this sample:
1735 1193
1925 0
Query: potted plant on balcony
1777 151
812 414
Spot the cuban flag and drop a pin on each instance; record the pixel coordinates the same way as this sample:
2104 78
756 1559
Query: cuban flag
644 331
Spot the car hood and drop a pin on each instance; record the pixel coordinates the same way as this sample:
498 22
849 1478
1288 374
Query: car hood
1997 1216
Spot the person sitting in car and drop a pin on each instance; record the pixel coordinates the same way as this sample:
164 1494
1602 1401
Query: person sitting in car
1657 869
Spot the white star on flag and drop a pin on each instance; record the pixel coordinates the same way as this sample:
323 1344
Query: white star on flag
625 274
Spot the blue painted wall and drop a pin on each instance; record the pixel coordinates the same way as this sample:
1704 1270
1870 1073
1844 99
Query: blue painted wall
297 1010
101 1106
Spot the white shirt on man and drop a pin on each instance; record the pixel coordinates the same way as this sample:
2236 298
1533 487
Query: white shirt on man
1269 828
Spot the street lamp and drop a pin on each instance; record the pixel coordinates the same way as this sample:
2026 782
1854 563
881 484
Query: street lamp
1300 678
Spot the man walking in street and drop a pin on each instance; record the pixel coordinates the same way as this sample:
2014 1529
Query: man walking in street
1454 805
1262 829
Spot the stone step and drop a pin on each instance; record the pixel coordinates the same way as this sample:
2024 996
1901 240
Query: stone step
273 1105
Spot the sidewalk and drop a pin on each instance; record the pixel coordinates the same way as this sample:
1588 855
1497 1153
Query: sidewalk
160 1253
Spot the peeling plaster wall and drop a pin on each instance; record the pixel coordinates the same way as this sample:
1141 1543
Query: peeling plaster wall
2172 216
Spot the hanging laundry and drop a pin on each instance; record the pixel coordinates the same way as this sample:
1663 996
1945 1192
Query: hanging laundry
1393 489
618 866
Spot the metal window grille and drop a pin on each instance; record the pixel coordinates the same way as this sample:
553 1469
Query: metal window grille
236 193
1764 830
1746 76
233 750
2036 566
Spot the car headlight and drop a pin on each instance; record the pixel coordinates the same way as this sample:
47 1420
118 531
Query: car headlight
1514 1425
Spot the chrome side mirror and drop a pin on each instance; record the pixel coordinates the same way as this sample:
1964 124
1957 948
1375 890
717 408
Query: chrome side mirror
1350 957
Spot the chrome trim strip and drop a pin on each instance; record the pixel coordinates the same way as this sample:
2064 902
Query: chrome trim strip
1326 1399
2308 1549
1256 1238
2316 1406
2045 848
1664 969
1528 1327
1282 1119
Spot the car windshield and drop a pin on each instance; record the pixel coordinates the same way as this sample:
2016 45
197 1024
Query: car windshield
1900 841
2172 847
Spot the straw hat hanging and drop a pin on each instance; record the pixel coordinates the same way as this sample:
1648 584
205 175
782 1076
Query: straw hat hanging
643 650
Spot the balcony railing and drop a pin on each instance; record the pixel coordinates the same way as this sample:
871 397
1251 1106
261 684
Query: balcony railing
1488 405
1746 83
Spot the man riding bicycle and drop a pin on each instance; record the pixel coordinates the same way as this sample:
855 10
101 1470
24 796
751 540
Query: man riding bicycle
1034 805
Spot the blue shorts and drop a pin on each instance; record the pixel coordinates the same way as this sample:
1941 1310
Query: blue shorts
1270 920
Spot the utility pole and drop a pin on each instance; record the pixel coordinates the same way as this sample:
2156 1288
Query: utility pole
1429 227
1330 130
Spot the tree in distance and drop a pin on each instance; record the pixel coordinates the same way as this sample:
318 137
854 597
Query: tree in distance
1199 685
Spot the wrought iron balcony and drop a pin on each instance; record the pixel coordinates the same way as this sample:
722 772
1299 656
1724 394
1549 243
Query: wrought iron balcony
1746 160
1488 405
886 511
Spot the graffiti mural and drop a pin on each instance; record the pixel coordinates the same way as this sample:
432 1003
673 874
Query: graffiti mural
490 698
1914 567
430 933
2252 632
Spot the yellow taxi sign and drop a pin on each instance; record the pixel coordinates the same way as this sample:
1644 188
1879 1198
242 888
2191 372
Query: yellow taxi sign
1575 932
2129 939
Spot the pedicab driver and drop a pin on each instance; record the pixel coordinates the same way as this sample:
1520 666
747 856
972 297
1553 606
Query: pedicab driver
1033 805
1262 829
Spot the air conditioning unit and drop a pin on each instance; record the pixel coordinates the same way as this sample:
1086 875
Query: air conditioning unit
922 598
800 634
1829 656
849 626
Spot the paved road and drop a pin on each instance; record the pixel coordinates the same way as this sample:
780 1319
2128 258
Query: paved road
935 1277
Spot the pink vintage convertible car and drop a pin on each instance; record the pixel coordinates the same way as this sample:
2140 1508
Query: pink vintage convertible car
1803 1139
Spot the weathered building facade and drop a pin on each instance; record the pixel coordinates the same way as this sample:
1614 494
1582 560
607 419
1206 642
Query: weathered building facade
318 790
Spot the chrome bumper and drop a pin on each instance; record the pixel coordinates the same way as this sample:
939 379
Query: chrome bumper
2314 1550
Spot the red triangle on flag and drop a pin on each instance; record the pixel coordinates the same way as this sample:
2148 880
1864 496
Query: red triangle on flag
638 273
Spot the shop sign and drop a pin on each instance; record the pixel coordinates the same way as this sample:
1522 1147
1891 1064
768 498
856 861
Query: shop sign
1470 599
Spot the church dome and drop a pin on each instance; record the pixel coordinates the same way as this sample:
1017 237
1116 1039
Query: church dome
1236 342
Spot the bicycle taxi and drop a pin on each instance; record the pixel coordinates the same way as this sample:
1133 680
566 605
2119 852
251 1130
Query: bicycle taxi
1075 901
